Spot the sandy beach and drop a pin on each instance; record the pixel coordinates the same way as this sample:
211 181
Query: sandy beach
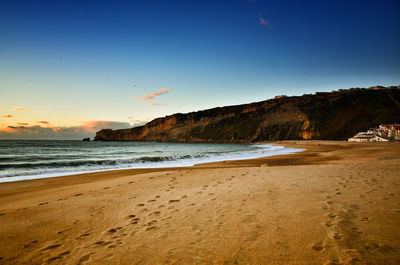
335 203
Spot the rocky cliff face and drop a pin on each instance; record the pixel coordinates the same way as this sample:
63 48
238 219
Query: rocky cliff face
334 115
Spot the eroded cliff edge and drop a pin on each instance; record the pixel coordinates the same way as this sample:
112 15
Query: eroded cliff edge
326 115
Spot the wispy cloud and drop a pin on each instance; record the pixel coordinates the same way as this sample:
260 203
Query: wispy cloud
146 99
263 21
22 123
7 116
21 109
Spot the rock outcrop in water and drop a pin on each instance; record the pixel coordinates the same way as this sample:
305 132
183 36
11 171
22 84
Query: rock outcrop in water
325 115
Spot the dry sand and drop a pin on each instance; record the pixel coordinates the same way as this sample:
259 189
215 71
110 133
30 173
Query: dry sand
336 203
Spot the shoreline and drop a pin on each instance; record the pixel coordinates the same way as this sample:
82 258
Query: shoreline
180 163
335 202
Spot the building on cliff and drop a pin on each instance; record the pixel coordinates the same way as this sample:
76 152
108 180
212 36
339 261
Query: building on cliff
390 131
384 133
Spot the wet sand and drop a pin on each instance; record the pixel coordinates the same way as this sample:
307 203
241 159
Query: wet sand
336 203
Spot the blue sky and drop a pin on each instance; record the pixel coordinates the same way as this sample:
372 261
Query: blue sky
74 63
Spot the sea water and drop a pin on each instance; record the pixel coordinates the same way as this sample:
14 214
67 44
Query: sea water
22 160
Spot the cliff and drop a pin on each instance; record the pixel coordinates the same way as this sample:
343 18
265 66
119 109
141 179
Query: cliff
326 115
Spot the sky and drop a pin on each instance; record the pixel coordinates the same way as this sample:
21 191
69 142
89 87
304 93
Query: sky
71 68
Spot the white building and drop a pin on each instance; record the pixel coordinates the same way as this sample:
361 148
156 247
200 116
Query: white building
369 136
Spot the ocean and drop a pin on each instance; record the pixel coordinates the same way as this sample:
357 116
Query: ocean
22 160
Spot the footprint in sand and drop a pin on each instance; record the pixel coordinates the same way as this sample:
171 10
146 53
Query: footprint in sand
65 253
173 201
140 205
60 256
43 203
156 213
356 230
333 261
112 231
318 246
331 215
62 231
51 247
135 220
337 236
151 222
330 224
83 235
31 244
85 258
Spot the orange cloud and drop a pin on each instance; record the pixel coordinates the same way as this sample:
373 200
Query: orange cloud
146 99
7 116
22 123
87 129
21 109
263 21
43 122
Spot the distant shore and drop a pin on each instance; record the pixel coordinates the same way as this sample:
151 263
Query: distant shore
336 203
